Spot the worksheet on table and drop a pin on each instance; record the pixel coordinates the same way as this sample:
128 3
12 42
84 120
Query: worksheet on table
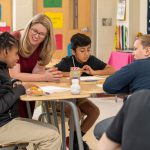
53 89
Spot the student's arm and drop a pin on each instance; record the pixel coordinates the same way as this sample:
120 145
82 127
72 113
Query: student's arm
106 71
106 144
120 81
9 99
64 66
45 76
96 66
38 69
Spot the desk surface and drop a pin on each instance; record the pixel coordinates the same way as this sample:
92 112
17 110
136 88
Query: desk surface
87 88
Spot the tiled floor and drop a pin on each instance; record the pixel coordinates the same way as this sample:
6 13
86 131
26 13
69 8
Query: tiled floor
108 107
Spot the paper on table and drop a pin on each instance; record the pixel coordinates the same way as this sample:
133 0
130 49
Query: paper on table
52 89
90 78
99 85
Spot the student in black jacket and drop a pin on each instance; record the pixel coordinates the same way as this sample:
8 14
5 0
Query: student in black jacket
14 130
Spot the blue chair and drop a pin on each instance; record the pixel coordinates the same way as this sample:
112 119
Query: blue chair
69 53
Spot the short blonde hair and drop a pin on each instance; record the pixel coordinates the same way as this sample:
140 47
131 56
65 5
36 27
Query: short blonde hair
49 46
145 40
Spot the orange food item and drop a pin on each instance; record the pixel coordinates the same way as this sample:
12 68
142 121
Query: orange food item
35 91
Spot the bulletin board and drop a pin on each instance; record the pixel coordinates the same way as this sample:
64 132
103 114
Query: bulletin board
52 3
56 10
6 12
62 17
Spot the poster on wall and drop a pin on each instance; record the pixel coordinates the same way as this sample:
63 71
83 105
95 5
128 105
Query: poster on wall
0 11
57 19
59 41
52 3
121 10
4 29
148 17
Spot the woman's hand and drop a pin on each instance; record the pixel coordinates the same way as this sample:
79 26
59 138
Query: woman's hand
53 74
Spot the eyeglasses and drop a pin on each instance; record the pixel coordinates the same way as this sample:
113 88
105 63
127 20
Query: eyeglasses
35 32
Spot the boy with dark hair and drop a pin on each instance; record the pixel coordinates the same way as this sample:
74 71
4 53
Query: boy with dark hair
82 58
15 130
88 65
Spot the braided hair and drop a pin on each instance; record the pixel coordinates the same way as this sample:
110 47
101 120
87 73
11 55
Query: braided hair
7 41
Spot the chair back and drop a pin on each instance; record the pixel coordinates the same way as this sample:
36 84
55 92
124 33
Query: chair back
69 53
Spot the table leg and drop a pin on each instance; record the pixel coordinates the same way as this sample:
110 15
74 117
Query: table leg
76 122
47 111
71 134
62 110
29 110
53 104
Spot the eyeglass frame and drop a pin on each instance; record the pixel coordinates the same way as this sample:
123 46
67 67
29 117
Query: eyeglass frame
35 32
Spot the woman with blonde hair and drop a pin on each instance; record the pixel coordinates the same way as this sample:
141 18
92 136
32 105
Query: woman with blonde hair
36 47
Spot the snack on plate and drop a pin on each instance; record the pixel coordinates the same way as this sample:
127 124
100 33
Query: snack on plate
35 91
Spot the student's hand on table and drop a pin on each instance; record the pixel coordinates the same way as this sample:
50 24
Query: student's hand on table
87 69
81 70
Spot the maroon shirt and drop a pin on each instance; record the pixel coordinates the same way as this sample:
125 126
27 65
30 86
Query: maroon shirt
28 64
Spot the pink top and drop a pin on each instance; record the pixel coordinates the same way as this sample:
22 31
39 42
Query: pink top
27 64
120 59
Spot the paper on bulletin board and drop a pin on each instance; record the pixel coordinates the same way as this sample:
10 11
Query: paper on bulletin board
2 24
57 19
59 41
121 10
52 3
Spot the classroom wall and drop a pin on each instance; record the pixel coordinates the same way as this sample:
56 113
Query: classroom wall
133 20
6 11
105 34
22 13
143 16
67 29
136 21
103 37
